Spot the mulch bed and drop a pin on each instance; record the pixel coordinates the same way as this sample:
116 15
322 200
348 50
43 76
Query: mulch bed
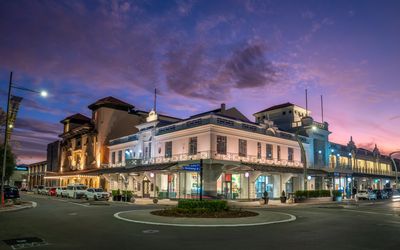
222 214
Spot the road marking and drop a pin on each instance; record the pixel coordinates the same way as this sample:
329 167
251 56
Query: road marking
72 214
150 231
79 204
368 212
291 218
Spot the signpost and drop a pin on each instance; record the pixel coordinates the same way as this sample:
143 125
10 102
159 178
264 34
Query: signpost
192 167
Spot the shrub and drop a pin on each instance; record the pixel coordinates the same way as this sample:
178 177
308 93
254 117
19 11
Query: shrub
205 205
336 193
312 193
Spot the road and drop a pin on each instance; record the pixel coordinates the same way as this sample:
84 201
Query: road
67 225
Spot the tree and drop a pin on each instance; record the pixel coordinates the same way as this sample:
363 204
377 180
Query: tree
10 161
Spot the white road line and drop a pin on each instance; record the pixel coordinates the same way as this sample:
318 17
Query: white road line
368 212
117 215
66 201
83 205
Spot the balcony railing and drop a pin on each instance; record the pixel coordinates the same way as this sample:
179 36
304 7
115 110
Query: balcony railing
215 156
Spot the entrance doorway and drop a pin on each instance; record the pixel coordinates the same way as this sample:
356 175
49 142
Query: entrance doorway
146 189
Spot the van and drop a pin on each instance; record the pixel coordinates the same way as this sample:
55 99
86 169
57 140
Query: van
76 191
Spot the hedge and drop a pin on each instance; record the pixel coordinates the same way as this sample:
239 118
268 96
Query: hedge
312 193
336 193
209 205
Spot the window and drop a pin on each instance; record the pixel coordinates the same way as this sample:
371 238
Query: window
128 154
78 144
258 150
113 157
192 145
168 149
278 152
242 148
119 156
290 154
221 145
269 152
284 113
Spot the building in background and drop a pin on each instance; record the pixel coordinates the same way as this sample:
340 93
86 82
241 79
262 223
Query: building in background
36 174
19 178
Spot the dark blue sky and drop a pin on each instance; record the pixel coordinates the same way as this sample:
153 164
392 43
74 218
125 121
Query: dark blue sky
248 54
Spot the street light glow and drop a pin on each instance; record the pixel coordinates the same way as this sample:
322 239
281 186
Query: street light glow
43 93
314 128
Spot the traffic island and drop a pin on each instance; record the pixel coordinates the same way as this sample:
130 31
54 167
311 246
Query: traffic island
204 214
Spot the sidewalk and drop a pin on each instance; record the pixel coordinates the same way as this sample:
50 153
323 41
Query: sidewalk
24 205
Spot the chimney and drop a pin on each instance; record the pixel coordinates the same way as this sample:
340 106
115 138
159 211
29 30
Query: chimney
222 107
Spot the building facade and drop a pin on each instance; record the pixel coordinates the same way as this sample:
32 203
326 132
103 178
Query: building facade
36 174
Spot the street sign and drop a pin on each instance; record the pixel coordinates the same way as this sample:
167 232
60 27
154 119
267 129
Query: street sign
192 167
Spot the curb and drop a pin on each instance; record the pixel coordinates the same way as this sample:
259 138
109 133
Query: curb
33 205
291 218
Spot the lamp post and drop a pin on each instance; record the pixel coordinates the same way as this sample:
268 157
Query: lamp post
395 167
10 86
247 175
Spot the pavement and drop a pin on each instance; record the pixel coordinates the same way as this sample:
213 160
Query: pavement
23 205
70 224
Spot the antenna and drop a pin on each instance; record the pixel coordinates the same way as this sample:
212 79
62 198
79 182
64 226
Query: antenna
306 104
155 100
322 109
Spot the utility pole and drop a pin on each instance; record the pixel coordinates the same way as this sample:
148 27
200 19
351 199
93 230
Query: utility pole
5 142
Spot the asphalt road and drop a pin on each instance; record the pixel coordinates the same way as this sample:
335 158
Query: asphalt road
66 225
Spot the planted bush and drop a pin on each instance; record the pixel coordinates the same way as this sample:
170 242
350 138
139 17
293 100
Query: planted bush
205 205
312 193
336 193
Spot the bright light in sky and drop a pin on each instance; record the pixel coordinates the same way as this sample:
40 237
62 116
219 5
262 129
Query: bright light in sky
43 93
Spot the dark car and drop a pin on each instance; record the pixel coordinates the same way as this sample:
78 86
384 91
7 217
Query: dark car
10 192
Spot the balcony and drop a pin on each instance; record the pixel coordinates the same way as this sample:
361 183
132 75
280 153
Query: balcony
215 156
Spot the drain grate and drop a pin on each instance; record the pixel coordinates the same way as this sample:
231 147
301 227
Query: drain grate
26 242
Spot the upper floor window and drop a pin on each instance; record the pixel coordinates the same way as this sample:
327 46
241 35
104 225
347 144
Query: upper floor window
192 145
78 144
242 147
221 144
168 149
113 157
290 154
258 150
269 151
119 156
278 152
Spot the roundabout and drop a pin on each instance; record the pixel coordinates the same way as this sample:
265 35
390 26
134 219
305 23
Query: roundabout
263 218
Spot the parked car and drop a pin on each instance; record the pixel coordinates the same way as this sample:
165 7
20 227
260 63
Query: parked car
38 189
10 192
52 191
96 194
380 194
64 192
396 195
59 191
44 191
366 195
76 191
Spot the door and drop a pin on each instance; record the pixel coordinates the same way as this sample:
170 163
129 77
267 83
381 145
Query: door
228 190
146 189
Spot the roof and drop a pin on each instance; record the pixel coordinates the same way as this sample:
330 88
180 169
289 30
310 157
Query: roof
110 102
232 113
283 105
77 117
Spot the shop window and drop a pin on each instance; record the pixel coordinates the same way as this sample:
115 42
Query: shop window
168 149
290 154
258 150
221 144
242 148
269 151
192 145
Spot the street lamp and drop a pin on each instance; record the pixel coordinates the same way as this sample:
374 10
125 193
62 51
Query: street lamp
247 175
10 86
395 167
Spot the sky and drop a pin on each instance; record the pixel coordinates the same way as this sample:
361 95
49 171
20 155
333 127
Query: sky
248 54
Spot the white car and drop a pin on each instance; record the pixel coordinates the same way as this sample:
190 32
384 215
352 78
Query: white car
365 195
59 191
76 191
64 193
96 194
44 191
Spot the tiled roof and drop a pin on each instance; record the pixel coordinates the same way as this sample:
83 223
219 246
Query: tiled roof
77 117
110 102
283 105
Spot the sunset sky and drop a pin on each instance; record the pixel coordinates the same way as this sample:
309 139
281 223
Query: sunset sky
198 54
